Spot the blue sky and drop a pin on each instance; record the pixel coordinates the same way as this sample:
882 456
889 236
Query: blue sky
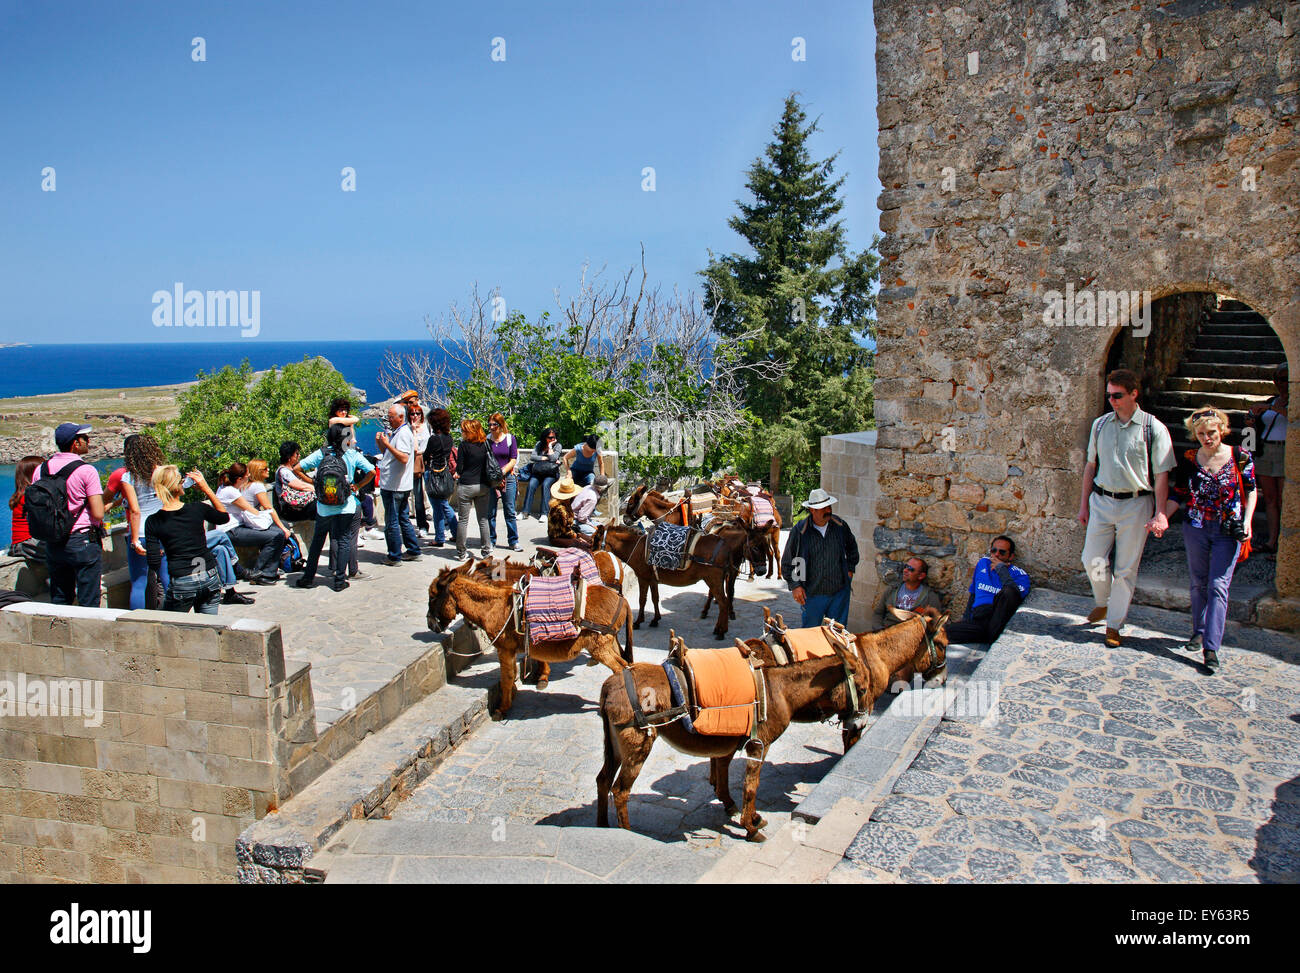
225 174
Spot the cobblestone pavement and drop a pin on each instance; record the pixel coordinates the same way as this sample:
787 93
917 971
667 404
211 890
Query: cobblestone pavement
539 766
1125 765
358 639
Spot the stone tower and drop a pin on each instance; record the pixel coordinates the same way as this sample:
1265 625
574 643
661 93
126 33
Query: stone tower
1041 154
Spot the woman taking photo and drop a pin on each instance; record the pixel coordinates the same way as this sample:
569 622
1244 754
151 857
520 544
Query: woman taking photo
473 485
544 470
439 478
1216 485
505 447
179 529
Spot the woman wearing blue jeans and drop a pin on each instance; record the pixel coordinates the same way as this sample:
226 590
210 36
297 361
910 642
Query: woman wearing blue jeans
437 458
505 447
544 470
1217 486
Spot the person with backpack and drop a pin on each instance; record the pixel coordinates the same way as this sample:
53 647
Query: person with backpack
439 476
179 529
1130 454
335 470
505 447
20 537
1216 484
65 508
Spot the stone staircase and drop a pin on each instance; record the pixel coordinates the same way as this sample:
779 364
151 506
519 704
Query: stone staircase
1230 366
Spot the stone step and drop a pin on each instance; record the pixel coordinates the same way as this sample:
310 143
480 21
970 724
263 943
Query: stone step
1174 417
1229 401
1236 310
1211 384
1195 369
1221 356
1237 342
410 852
1232 328
1173 594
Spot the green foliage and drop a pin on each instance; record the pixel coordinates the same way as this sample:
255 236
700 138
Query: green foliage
802 298
231 415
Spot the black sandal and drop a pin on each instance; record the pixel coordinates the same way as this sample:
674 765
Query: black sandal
1211 660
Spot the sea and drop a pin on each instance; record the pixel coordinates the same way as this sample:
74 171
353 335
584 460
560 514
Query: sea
44 369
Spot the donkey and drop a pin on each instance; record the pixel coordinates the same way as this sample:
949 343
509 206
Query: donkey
490 569
647 502
916 645
711 564
489 606
791 690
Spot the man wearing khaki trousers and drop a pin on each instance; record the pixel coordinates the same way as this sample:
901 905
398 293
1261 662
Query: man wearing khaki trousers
1125 486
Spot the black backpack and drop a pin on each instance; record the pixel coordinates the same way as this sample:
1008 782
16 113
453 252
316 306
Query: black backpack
45 504
333 486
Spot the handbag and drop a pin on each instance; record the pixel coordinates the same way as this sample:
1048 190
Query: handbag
1241 492
492 468
544 469
440 483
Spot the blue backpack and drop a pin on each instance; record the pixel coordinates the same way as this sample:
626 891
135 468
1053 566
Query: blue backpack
292 559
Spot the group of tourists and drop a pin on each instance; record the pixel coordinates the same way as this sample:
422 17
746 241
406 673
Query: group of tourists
183 555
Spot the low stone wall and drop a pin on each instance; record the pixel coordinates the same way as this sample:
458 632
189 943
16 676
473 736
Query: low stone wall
181 739
849 475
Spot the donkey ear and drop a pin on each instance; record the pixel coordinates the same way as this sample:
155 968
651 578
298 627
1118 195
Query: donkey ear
940 622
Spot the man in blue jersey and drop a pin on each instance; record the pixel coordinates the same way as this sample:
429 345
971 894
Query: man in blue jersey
997 589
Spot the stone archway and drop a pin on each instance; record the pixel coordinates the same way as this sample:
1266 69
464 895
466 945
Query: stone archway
1282 610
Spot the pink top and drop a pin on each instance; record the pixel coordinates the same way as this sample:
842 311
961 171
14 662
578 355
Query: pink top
83 483
585 504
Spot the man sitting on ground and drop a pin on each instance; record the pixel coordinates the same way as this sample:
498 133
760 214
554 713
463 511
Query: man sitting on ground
997 588
912 595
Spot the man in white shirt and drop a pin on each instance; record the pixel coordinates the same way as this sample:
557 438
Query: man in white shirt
396 478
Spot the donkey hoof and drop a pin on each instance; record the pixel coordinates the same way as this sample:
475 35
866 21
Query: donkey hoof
636 624
655 623
760 821
732 810
756 836
543 683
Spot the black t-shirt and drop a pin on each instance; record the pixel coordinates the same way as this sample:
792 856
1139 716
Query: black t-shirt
470 461
182 534
437 452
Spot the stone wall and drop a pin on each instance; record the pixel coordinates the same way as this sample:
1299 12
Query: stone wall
849 475
1156 355
197 724
1030 147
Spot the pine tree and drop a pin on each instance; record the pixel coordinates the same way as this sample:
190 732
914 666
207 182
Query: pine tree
804 300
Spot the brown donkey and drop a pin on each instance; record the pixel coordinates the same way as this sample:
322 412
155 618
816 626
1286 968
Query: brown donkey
791 690
711 564
611 571
489 606
647 502
892 656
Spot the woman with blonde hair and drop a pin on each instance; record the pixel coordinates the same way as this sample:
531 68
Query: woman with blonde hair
1216 487
473 485
243 489
179 529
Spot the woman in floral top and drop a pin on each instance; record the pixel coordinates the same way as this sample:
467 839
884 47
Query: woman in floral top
1216 485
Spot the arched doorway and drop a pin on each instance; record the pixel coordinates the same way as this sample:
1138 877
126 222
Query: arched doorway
1203 348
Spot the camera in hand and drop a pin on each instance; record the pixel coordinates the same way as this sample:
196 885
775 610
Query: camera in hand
1234 527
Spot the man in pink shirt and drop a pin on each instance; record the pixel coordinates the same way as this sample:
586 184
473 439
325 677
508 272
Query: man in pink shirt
75 566
584 505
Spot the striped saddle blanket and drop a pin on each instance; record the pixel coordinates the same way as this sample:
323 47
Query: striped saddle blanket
549 609
570 558
762 510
